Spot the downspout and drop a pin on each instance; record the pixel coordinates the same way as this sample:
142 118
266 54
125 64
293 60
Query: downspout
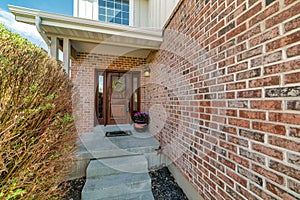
38 23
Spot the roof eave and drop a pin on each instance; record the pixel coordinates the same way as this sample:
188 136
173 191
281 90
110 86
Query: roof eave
26 15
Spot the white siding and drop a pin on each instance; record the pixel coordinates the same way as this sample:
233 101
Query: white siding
140 13
160 11
86 9
144 13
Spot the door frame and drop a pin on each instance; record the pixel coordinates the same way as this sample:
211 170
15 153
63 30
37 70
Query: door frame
104 73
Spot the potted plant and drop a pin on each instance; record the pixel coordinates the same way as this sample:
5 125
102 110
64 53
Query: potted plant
141 120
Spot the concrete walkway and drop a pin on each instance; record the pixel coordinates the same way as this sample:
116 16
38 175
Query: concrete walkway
117 167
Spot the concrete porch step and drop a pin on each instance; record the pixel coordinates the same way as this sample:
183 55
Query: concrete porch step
115 186
133 196
117 165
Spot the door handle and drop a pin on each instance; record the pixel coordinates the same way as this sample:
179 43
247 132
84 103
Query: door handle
128 107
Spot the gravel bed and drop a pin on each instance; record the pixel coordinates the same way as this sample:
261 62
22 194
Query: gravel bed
164 187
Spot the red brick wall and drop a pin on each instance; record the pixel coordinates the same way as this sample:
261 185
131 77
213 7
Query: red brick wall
224 97
83 77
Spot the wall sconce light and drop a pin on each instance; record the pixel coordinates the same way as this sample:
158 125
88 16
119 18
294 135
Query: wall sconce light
147 72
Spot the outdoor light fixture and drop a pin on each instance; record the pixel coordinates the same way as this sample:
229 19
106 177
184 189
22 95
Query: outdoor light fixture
147 72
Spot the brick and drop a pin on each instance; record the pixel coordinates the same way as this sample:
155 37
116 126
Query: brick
252 135
251 12
288 2
226 79
285 143
291 25
248 74
217 27
226 29
236 31
262 82
268 35
255 62
210 168
225 178
224 194
239 122
252 114
268 151
230 130
269 128
263 15
226 163
229 112
239 160
252 156
217 43
292 78
209 182
238 67
261 193
233 193
218 104
283 92
272 57
227 45
245 193
226 62
237 49
217 165
239 141
293 51
266 105
294 186
293 105
286 40
295 132
282 16
236 177
228 146
250 94
293 159
282 67
236 12
249 175
285 118
279 192
250 33
236 86
250 53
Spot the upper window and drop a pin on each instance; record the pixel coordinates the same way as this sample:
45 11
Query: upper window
114 11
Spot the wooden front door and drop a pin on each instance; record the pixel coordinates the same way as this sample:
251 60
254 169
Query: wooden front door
120 97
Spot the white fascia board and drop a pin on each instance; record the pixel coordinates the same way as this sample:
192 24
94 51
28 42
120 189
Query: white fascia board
50 19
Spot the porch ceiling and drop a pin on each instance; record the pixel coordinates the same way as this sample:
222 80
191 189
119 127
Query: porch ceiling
90 31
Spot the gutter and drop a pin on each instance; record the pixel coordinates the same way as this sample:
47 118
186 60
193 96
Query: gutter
38 23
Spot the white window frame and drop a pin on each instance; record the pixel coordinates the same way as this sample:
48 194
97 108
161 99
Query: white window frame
131 11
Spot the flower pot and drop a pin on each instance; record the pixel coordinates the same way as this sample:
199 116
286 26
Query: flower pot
140 126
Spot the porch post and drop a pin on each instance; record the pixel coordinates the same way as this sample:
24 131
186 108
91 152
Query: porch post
66 55
54 47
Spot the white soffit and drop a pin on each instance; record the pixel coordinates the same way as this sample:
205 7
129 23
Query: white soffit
87 30
110 49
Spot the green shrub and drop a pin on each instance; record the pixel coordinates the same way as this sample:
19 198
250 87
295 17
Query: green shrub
37 131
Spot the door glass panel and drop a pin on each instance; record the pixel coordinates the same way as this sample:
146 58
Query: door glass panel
135 94
100 96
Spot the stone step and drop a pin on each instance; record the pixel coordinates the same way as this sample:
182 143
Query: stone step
114 186
117 165
133 196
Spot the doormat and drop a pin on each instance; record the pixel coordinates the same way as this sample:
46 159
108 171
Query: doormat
117 133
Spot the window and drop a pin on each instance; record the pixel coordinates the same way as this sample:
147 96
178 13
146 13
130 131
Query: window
114 11
268 2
